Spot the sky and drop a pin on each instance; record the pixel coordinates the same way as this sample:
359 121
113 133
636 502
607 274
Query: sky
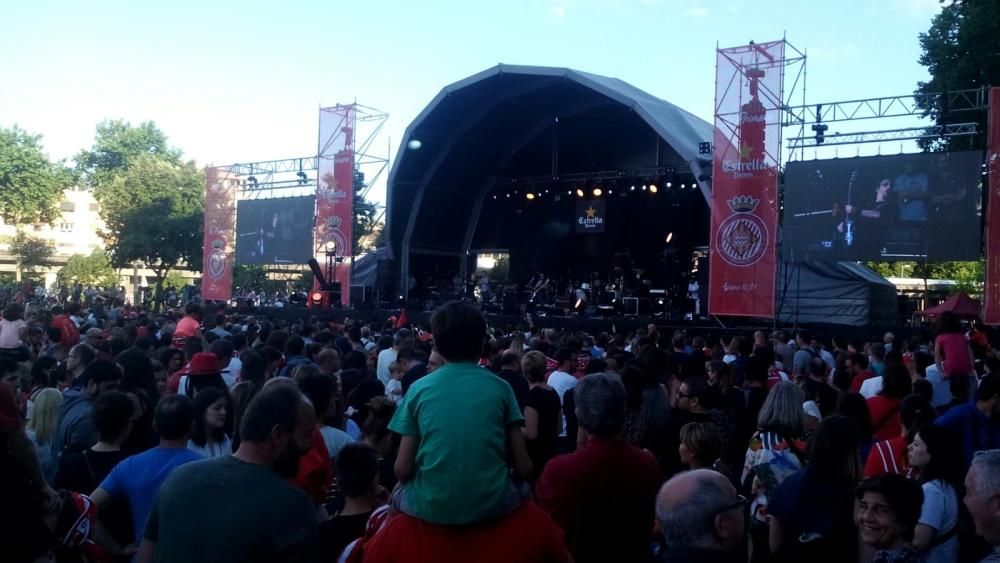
242 81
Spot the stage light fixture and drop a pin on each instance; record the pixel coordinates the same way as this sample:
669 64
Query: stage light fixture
610 192
529 195
579 192
317 297
670 237
598 192
683 186
508 195
653 189
303 179
669 185
632 189
494 196
331 246
644 188
252 180
414 144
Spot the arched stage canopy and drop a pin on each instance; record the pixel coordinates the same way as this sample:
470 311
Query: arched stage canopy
500 124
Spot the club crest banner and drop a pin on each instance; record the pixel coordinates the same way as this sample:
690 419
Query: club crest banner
220 222
745 176
335 191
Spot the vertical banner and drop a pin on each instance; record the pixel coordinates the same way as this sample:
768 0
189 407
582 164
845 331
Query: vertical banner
220 219
746 157
335 194
991 291
590 216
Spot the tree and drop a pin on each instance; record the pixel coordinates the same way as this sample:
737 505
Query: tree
31 253
117 145
30 185
154 213
249 277
967 275
365 220
961 50
93 270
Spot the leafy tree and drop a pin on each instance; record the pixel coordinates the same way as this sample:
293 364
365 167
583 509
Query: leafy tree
365 216
30 185
501 269
154 213
174 281
967 275
249 277
117 145
32 253
961 50
93 270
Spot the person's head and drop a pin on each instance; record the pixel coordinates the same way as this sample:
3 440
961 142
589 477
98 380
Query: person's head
876 353
42 370
320 390
100 376
566 358
254 367
172 359
833 449
701 509
803 339
700 444
887 510
328 360
856 363
533 366
174 417
193 310
982 495
718 372
294 346
988 395
915 412
948 322
691 394
161 377
357 470
79 357
510 361
223 350
278 424
600 405
45 416
191 347
211 407
782 410
855 407
896 381
883 189
113 414
816 369
375 427
434 361
241 394
13 312
936 452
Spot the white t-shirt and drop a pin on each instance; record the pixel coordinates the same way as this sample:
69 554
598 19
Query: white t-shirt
385 357
394 390
871 387
562 382
942 387
234 369
940 511
335 439
210 450
10 333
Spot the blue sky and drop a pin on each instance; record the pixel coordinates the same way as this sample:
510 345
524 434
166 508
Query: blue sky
242 81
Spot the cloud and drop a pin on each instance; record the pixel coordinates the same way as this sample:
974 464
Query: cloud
697 11
917 9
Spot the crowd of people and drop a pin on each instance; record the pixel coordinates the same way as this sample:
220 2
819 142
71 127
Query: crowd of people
200 435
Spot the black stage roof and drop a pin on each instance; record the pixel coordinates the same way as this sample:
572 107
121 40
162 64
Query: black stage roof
498 124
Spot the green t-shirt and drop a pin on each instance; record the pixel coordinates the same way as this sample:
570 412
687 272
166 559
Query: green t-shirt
460 414
226 510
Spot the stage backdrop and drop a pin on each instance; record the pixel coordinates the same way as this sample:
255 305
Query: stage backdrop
335 190
747 145
220 215
991 293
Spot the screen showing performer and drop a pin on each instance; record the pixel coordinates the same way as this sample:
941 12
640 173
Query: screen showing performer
275 231
901 207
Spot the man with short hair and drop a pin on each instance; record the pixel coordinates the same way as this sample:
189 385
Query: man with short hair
702 518
818 389
295 350
188 327
510 371
328 361
387 356
220 327
242 507
138 478
602 494
562 379
856 365
76 428
806 352
982 498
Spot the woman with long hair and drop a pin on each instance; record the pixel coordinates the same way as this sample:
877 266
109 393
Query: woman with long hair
935 454
375 428
42 378
542 413
211 407
42 425
242 393
855 407
776 451
811 515
952 353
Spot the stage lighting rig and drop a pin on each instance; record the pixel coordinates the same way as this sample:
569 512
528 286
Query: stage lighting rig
598 192
579 192
652 188
819 127
303 178
252 182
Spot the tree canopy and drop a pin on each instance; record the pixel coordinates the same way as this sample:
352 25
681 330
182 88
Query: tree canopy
30 185
94 269
32 253
117 144
961 50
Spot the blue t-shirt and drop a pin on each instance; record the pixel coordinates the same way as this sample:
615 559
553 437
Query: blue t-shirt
978 432
137 479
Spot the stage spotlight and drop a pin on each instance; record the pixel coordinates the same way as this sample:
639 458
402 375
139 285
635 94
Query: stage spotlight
644 187
494 196
670 237
610 192
529 195
414 144
252 180
317 297
331 246
579 192
653 189
598 192
508 195
669 185
303 179
632 189
683 186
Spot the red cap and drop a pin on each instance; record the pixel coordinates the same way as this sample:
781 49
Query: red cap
204 363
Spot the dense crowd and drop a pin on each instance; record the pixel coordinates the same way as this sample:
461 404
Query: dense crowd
210 436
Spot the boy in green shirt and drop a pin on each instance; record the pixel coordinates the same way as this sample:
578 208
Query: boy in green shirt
458 424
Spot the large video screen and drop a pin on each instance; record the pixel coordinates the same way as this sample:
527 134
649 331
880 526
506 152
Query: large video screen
275 231
902 207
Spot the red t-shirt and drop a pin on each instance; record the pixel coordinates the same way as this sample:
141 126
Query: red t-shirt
315 470
186 328
887 457
527 534
859 379
69 335
602 496
885 417
955 349
174 383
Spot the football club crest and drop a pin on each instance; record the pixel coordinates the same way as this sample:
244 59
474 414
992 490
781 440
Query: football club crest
742 237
